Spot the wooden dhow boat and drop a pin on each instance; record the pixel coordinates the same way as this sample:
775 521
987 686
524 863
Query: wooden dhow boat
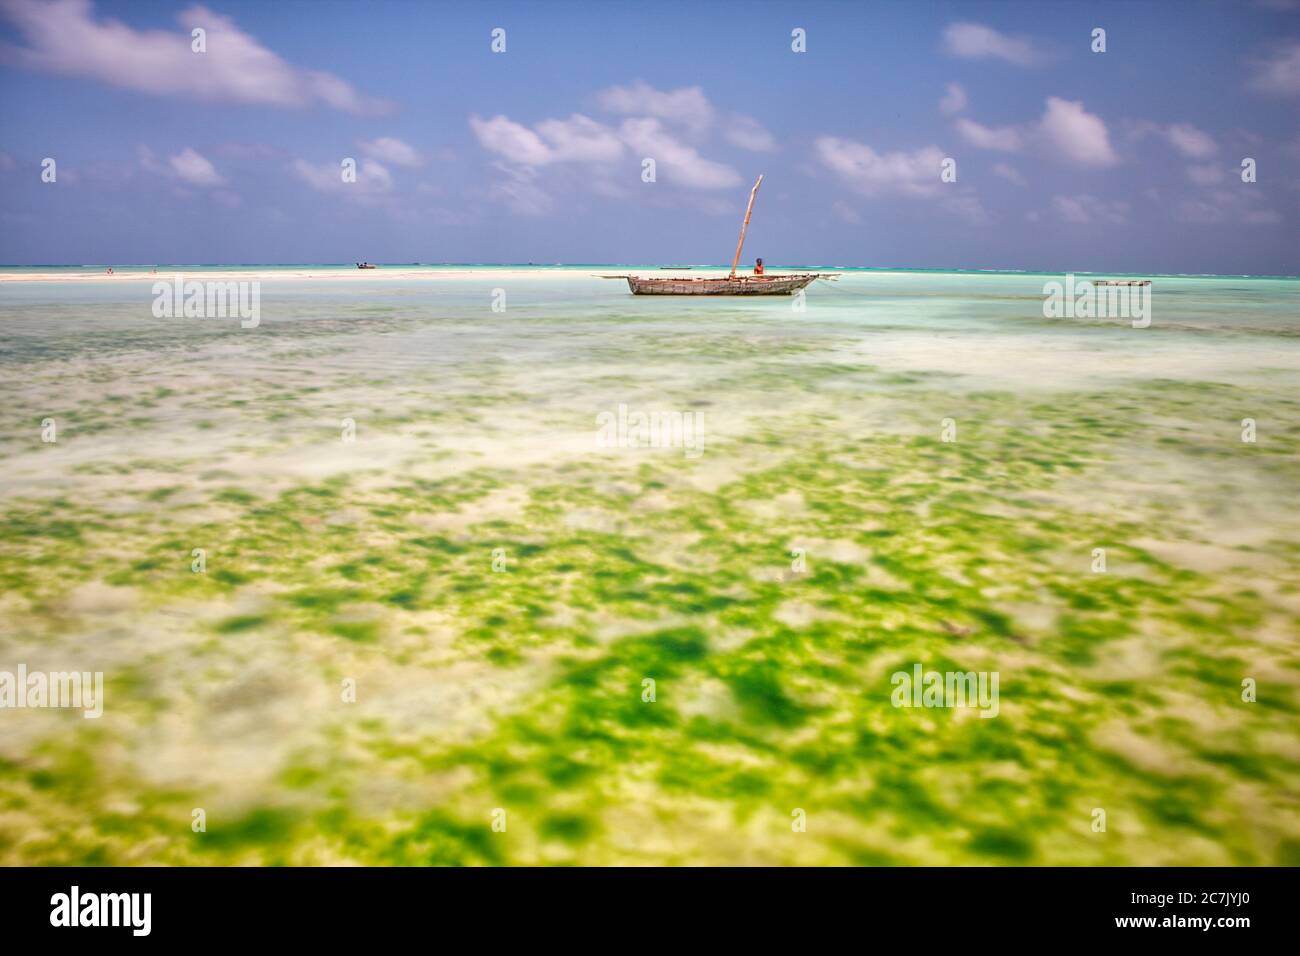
731 284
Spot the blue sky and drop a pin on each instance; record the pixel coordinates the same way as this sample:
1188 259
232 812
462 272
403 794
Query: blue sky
1066 159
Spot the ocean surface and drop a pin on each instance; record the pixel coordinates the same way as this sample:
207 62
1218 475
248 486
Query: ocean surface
504 565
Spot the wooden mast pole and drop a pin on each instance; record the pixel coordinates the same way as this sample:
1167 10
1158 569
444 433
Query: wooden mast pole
744 226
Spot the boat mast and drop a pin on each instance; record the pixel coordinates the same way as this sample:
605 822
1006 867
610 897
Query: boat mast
744 226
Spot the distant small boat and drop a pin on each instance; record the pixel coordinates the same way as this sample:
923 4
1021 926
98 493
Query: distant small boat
364 265
732 284
678 268
1121 282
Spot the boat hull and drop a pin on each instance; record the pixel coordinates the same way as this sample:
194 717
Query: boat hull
737 285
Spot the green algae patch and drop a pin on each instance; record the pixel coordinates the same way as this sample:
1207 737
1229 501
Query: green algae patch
470 638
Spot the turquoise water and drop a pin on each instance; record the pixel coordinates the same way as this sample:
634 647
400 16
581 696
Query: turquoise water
912 469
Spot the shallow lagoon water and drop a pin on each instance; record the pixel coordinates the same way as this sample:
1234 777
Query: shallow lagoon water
478 690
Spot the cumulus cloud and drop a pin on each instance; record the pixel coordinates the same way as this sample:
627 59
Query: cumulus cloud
953 100
665 126
1004 138
871 173
678 162
188 166
373 179
514 141
686 109
194 169
389 149
1075 134
687 106
1279 71
65 37
580 139
1065 130
748 133
1190 141
975 41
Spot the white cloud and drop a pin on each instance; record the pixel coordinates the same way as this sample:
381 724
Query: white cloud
1066 130
1279 72
592 151
389 149
577 139
676 162
1084 209
1190 141
872 174
1077 135
512 140
1009 173
953 101
1004 138
976 41
64 37
194 169
188 166
373 179
687 106
748 133
581 140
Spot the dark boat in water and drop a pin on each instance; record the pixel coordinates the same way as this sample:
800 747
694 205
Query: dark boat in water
731 284
364 265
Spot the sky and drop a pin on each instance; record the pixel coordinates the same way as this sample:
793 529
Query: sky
981 135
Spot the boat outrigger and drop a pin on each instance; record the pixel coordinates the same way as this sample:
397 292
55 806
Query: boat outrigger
732 284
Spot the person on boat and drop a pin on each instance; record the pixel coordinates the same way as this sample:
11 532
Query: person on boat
758 267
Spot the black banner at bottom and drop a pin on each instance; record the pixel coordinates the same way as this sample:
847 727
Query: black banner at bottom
335 906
